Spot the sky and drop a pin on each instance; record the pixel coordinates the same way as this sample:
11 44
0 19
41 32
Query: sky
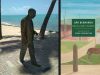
20 7
80 9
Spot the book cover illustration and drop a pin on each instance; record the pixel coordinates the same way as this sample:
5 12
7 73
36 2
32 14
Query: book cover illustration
80 37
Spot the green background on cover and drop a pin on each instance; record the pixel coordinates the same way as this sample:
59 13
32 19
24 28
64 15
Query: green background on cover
83 28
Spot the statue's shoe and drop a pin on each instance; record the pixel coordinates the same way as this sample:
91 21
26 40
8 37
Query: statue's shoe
36 64
22 61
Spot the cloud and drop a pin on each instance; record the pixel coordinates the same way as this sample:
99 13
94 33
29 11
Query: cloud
80 11
46 5
83 13
19 10
80 8
79 5
26 7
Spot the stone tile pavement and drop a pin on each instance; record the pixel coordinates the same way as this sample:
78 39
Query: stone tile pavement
46 52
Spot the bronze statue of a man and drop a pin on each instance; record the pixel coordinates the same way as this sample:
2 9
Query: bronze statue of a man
27 33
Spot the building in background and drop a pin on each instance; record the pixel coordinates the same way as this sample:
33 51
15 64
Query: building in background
66 30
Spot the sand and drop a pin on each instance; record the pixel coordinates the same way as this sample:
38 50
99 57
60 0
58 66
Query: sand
11 30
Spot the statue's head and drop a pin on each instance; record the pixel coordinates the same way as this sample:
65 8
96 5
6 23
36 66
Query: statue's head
31 13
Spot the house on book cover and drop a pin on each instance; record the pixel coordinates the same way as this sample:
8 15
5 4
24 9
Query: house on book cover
66 31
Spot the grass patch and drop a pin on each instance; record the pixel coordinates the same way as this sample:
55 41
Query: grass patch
95 59
97 46
67 46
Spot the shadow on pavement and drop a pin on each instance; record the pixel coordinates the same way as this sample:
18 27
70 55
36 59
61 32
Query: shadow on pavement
10 46
5 37
46 52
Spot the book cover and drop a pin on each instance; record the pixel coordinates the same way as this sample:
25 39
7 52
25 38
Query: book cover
80 37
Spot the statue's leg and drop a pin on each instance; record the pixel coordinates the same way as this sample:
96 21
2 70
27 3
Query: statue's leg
32 55
23 51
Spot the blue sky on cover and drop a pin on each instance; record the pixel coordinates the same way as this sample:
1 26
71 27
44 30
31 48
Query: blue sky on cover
80 8
19 7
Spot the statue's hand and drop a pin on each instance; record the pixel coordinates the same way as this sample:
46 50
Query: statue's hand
36 33
27 44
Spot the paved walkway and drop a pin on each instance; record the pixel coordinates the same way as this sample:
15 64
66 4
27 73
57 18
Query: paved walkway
46 52
82 70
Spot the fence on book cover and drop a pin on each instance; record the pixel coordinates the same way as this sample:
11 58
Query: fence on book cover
81 51
91 44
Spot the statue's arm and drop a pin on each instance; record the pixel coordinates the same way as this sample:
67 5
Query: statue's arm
23 29
34 32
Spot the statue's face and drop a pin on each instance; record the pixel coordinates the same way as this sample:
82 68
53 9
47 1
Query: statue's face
32 14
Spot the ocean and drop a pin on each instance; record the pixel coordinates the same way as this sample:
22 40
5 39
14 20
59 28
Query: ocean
38 20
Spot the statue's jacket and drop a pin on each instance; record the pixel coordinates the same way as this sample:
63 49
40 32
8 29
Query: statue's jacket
27 30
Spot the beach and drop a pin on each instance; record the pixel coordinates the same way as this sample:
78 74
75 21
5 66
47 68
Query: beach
37 21
46 52
12 30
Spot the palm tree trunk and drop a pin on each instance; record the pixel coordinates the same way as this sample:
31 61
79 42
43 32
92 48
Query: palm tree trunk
43 28
0 31
0 22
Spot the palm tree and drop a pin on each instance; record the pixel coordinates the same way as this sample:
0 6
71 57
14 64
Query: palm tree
43 28
0 31
0 22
